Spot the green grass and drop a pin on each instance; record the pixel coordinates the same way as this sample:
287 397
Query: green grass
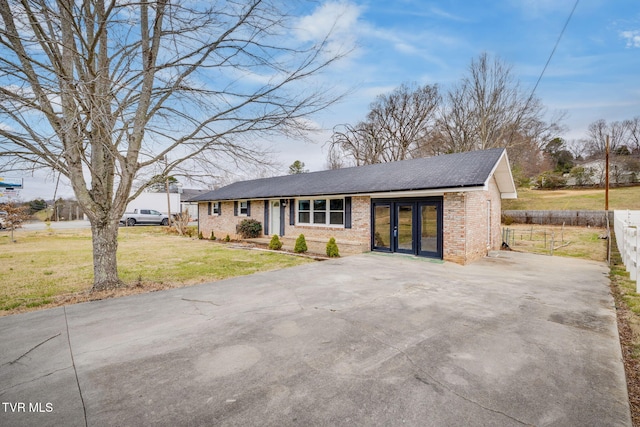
588 199
43 267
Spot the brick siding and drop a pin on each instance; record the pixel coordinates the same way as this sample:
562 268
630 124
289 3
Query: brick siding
225 224
465 224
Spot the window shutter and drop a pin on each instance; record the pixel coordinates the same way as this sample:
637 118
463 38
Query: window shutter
235 208
266 218
347 212
219 208
209 208
248 207
292 211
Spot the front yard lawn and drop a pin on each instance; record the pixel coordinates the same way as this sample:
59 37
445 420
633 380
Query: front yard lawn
50 268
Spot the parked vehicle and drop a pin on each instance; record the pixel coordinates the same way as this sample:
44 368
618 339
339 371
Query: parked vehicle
144 216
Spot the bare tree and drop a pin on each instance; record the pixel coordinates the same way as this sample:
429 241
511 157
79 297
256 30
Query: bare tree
488 109
577 148
396 127
103 91
598 131
335 160
633 127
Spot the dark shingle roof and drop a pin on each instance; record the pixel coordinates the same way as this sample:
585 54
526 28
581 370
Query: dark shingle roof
470 169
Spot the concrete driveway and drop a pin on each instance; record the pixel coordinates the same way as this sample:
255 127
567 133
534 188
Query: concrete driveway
514 339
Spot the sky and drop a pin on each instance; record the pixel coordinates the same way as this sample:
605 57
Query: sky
593 74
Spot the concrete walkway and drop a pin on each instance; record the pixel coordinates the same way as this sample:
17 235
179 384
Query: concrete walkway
512 340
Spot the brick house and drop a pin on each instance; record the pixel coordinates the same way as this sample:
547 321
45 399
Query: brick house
446 207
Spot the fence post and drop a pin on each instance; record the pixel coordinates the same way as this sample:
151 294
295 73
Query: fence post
637 259
632 257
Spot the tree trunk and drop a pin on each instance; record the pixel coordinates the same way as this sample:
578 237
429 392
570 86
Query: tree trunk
105 245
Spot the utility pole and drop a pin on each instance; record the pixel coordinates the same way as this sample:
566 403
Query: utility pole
606 175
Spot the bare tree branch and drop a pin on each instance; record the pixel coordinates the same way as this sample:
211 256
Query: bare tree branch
101 91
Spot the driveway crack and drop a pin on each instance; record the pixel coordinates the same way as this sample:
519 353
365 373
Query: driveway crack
34 379
202 301
31 349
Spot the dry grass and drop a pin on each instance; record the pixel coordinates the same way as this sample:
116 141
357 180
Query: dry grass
44 269
576 242
628 312
588 199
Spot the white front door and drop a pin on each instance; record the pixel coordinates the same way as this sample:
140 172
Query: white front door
274 223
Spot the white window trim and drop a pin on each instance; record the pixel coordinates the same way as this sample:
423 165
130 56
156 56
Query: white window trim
311 211
215 208
246 207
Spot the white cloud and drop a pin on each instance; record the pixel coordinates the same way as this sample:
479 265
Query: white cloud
632 37
336 19
435 11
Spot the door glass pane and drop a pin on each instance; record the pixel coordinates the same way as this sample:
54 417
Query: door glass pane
429 237
382 227
405 227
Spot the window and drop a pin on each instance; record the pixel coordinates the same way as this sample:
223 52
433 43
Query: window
321 211
336 211
242 208
214 208
304 211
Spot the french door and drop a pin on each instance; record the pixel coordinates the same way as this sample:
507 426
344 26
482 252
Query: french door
412 226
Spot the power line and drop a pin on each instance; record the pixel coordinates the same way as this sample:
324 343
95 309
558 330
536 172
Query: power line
553 51
533 91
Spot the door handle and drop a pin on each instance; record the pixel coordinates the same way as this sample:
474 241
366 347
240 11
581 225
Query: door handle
395 232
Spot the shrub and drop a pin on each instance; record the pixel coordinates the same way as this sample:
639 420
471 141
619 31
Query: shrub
550 180
275 243
332 248
581 175
249 228
301 245
507 219
180 222
200 236
227 238
212 237
191 230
